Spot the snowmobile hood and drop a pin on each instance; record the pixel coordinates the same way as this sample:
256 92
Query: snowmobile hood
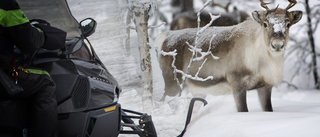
56 12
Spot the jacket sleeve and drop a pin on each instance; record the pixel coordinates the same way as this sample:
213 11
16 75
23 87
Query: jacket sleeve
26 37
21 33
54 37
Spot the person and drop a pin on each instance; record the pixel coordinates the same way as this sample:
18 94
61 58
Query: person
38 86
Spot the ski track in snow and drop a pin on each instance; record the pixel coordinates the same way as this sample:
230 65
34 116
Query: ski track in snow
296 113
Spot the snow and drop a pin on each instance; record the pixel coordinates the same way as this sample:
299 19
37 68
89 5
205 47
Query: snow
296 112
278 24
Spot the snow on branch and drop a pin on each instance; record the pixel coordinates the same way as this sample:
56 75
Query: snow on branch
131 26
156 26
172 53
195 51
203 54
209 24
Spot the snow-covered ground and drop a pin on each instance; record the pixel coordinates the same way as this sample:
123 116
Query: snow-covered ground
296 112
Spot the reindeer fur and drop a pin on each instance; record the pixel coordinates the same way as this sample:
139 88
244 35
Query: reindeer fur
245 59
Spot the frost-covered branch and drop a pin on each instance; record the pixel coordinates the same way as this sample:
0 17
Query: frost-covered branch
156 26
195 51
196 77
172 53
203 54
131 26
290 84
209 24
175 70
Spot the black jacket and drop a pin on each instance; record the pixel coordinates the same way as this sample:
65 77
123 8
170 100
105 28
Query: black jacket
15 29
26 37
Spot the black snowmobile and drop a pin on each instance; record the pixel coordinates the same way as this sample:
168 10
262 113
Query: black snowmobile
87 94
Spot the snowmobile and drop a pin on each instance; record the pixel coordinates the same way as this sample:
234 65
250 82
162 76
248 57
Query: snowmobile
87 94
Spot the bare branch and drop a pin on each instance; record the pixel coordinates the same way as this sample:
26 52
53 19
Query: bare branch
194 57
209 24
156 26
290 84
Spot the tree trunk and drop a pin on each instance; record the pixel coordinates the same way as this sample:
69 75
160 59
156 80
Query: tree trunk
141 20
127 39
312 44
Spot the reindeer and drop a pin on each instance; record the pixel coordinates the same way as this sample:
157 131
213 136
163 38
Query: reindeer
188 19
251 55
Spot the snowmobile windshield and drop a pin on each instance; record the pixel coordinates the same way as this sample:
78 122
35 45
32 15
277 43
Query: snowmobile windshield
56 12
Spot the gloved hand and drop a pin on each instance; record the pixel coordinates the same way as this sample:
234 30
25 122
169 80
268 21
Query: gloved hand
54 37
39 21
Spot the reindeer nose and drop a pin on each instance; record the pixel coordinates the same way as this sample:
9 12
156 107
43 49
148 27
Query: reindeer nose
277 45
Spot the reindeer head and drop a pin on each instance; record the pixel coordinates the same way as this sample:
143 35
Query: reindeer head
276 24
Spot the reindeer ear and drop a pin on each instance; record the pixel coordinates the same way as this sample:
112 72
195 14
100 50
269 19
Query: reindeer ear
258 16
295 16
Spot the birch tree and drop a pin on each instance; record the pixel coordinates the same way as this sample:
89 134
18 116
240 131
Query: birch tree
141 17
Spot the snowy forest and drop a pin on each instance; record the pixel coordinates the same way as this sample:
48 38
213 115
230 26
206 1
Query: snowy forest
125 42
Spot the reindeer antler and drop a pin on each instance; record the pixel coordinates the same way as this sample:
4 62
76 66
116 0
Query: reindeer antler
264 5
291 4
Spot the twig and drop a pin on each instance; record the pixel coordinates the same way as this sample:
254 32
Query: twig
156 26
195 50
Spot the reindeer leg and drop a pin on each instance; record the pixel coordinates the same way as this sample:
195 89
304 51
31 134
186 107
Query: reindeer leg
239 90
264 94
171 86
240 97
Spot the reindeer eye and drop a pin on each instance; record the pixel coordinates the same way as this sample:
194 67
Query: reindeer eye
288 25
265 25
